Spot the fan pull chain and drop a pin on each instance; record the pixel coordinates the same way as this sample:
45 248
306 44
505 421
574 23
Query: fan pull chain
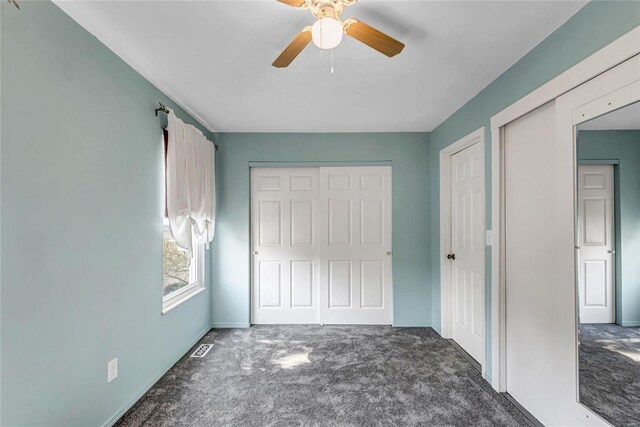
331 61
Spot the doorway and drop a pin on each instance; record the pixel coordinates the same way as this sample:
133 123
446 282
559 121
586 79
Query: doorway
321 245
462 243
596 244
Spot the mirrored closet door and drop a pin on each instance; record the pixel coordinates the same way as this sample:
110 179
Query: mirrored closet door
608 264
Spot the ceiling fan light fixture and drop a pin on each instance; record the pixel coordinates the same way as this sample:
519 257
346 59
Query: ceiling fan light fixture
327 33
328 29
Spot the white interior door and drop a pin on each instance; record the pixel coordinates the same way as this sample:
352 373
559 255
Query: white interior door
355 236
321 245
467 247
596 260
284 245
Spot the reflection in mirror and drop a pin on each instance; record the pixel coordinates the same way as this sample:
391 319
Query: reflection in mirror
608 232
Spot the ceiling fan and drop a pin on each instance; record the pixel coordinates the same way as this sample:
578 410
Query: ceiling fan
327 31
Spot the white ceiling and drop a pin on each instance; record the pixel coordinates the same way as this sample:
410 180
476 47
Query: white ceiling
214 58
626 118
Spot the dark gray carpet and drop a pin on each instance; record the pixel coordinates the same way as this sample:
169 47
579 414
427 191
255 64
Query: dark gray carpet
610 372
324 375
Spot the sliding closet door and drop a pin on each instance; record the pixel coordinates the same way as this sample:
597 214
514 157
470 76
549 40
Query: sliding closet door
321 245
540 253
284 245
355 242
536 329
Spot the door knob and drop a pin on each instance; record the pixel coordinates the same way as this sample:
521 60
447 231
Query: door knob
611 252
388 253
255 252
451 256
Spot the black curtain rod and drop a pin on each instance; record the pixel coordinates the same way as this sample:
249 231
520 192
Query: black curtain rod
164 109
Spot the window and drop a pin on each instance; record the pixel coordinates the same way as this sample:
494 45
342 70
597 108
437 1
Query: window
182 276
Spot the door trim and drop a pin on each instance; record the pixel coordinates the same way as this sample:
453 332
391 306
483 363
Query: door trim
446 299
606 58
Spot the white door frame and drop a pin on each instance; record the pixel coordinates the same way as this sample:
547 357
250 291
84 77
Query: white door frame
606 58
446 291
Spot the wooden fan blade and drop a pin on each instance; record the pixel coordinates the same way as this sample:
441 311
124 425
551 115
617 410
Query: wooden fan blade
295 47
293 3
374 38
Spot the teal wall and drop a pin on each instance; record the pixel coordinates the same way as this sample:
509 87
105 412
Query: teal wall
624 147
409 155
81 194
593 27
80 189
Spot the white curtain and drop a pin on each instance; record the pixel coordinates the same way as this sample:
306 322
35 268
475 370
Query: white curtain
190 184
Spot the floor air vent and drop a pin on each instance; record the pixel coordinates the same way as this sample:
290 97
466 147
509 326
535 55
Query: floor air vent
202 350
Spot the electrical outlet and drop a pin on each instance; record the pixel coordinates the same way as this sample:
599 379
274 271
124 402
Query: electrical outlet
489 238
112 370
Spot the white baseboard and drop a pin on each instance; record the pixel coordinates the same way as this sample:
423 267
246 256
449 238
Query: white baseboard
111 421
230 325
630 324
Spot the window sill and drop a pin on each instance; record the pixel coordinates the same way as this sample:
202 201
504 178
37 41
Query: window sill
173 301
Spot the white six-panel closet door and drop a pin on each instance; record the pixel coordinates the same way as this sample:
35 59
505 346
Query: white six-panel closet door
284 257
321 245
355 245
